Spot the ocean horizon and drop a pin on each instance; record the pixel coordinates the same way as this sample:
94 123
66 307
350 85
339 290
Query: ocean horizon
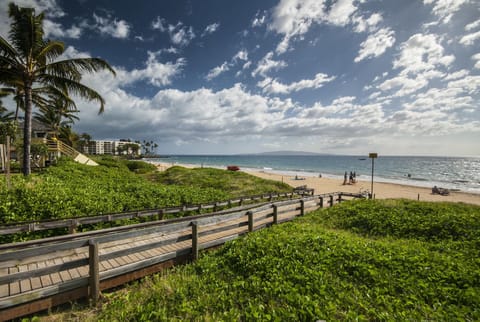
459 173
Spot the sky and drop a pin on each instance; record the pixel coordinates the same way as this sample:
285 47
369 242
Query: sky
227 77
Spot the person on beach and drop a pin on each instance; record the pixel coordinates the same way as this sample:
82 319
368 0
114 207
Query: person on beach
345 178
351 177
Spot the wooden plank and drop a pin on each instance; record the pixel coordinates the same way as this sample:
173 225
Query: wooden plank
42 293
3 286
35 281
14 287
54 266
145 263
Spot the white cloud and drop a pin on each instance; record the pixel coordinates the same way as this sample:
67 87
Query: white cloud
53 29
456 75
241 55
444 9
112 27
154 72
340 12
469 39
376 44
422 53
210 29
272 86
259 19
158 24
293 18
473 25
267 64
477 58
370 24
214 72
180 34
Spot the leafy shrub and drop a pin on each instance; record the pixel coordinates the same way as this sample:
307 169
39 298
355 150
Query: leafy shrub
139 166
407 219
235 183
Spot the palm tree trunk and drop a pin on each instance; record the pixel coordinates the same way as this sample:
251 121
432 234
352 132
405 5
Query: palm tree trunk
27 130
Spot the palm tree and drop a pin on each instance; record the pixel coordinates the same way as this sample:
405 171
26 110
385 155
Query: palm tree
58 111
29 63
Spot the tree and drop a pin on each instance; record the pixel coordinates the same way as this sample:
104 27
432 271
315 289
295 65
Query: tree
29 63
57 114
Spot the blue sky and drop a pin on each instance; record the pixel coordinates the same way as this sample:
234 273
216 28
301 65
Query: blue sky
226 77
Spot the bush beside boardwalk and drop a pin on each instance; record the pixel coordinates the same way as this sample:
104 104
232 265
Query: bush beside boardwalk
361 260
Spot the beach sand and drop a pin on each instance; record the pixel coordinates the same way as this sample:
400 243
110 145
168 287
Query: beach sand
380 190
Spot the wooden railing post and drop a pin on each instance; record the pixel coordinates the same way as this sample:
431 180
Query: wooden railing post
72 228
321 202
194 240
331 200
302 207
275 214
340 198
94 277
250 221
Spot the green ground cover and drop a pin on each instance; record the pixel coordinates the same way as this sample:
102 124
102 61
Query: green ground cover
232 182
361 260
72 190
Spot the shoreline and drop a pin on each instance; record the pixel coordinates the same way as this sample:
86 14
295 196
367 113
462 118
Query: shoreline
327 184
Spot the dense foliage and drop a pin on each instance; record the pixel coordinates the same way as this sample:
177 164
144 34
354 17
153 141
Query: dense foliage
234 183
72 190
305 270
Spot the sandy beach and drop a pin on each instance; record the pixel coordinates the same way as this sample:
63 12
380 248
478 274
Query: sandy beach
381 190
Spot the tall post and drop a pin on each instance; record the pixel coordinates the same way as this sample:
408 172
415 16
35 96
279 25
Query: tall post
275 214
372 156
250 221
194 240
94 276
7 162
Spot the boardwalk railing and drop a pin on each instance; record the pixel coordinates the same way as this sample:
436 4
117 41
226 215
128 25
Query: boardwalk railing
39 274
73 223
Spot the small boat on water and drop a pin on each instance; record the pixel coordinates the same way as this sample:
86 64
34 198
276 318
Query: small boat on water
233 168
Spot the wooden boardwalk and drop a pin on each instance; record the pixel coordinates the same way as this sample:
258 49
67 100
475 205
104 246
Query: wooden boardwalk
37 275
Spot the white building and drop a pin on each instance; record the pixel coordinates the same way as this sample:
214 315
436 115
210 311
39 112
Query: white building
108 147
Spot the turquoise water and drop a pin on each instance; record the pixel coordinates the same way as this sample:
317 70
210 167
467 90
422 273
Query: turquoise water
449 172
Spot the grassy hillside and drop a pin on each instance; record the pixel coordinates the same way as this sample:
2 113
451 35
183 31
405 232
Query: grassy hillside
362 260
231 182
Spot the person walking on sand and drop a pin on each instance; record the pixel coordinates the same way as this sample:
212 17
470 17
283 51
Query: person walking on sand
345 178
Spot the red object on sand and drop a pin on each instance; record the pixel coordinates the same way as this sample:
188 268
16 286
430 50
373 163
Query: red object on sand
233 168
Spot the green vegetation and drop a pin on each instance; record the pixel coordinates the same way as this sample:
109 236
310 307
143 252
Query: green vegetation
73 190
361 260
234 183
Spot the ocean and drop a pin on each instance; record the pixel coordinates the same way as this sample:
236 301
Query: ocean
462 173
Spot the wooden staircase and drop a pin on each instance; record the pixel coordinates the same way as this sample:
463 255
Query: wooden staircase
58 146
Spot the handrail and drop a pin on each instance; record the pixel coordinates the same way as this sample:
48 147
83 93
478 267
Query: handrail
63 148
73 222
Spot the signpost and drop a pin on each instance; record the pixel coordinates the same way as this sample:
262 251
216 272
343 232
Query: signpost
372 156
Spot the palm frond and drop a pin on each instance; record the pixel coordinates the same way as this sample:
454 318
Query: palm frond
89 65
26 29
75 88
7 49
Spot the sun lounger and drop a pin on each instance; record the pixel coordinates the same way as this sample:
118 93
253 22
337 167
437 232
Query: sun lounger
440 191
